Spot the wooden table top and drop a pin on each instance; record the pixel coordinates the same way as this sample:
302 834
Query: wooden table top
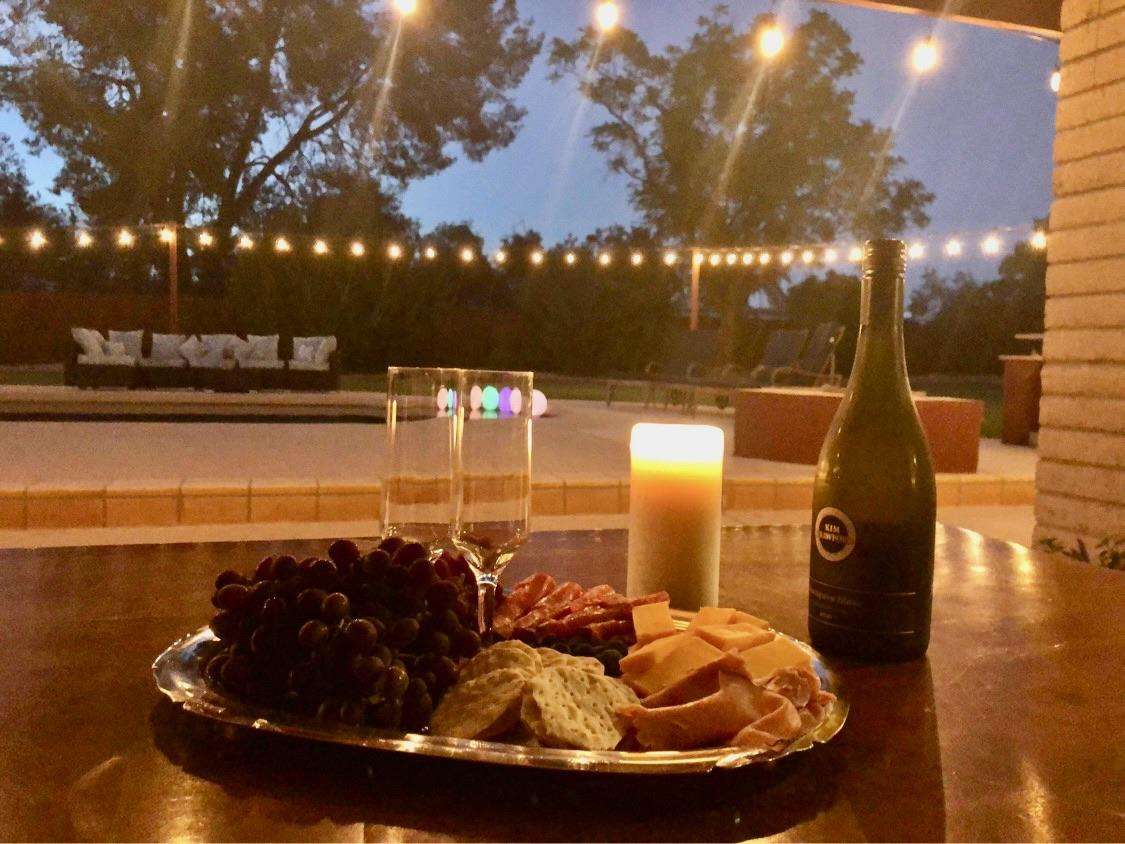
1008 730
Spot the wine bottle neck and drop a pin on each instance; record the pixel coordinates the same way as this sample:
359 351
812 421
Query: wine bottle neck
880 362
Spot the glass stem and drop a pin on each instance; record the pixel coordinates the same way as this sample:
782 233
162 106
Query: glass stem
486 600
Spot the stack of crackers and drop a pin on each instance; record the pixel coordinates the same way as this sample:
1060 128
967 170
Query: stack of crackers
534 695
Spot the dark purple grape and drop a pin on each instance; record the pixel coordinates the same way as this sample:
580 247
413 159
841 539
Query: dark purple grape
228 576
392 544
324 574
362 635
225 624
404 631
310 602
329 710
302 677
445 671
365 670
442 595
397 681
262 641
305 566
264 571
213 671
335 607
233 596
382 652
352 712
273 610
408 553
259 593
422 574
466 643
375 563
235 672
312 633
284 567
439 643
387 715
344 553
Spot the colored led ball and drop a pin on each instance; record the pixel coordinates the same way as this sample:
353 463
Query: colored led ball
490 398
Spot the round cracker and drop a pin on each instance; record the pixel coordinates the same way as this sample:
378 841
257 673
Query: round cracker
511 654
481 707
566 706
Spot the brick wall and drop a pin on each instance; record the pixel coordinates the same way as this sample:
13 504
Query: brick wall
1081 478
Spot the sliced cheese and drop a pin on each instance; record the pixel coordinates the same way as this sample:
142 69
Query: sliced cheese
692 655
733 636
652 621
763 660
741 617
642 657
710 616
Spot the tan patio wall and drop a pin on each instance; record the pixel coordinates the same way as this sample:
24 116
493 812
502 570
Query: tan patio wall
1081 476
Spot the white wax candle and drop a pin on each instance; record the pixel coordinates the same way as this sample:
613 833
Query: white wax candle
676 512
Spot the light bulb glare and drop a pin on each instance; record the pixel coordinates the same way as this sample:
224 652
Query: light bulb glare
607 15
924 56
771 40
1038 239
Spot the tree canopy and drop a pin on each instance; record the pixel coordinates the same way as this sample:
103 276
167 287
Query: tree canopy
162 111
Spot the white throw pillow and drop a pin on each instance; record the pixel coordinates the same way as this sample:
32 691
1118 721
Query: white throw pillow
191 348
263 346
217 342
115 350
91 342
130 340
304 348
240 349
166 347
326 347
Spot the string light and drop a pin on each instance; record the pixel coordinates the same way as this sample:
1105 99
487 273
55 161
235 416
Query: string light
394 251
1055 82
747 258
83 239
429 253
732 259
36 240
697 258
855 254
1038 239
764 258
714 259
500 257
245 242
786 258
282 245
467 255
570 259
915 251
604 259
807 256
953 248
357 249
537 257
771 40
126 239
924 56
670 258
831 256
320 247
167 235
607 15
991 245
636 259
406 7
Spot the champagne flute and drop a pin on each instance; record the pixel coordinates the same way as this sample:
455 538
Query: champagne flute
421 441
493 477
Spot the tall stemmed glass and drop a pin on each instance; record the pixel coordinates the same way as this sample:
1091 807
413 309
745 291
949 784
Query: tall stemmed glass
493 479
418 489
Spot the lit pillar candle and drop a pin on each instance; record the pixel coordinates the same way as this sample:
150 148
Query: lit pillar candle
676 512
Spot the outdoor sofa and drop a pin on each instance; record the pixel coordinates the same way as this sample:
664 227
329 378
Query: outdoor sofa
219 362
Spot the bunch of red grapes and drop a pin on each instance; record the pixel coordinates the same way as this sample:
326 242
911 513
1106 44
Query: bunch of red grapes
369 638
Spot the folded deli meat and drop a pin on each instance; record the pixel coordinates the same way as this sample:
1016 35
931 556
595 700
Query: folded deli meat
537 608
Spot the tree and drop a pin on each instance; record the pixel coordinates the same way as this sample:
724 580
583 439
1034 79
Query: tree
722 146
19 206
165 111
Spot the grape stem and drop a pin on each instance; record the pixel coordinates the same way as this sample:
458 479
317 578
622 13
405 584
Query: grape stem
486 600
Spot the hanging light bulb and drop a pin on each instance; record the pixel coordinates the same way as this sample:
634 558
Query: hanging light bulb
697 258
1055 82
83 239
953 248
167 235
807 256
771 40
205 239
764 258
320 247
500 256
991 245
467 255
786 257
394 251
924 56
670 258
831 256
406 7
570 258
732 259
245 242
280 244
607 15
537 257
747 258
1038 239
855 254
714 259
605 259
36 240
357 249
636 259
429 253
915 251
126 239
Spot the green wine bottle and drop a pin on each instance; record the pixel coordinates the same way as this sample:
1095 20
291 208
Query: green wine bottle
871 569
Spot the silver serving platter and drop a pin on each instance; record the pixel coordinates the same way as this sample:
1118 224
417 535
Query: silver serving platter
178 674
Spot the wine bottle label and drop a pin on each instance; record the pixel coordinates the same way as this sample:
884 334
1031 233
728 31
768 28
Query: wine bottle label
835 534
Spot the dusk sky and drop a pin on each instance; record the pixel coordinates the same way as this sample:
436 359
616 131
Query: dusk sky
977 131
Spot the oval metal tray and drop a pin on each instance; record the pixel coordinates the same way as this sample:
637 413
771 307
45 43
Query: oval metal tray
178 674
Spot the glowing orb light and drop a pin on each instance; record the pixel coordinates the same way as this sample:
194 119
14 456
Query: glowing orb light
490 399
515 401
953 248
916 250
991 245
442 399
538 403
475 397
771 40
1038 239
126 239
607 15
506 400
451 400
924 57
83 240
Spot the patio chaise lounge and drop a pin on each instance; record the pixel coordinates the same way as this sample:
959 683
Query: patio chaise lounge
95 361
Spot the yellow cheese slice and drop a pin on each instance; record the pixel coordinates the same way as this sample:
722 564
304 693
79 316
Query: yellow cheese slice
710 616
692 655
763 660
741 617
642 657
652 621
734 636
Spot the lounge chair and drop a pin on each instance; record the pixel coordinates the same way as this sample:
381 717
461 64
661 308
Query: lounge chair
817 363
95 362
314 365
164 366
211 361
782 351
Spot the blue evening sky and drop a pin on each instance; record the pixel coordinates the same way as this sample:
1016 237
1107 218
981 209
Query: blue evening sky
977 131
